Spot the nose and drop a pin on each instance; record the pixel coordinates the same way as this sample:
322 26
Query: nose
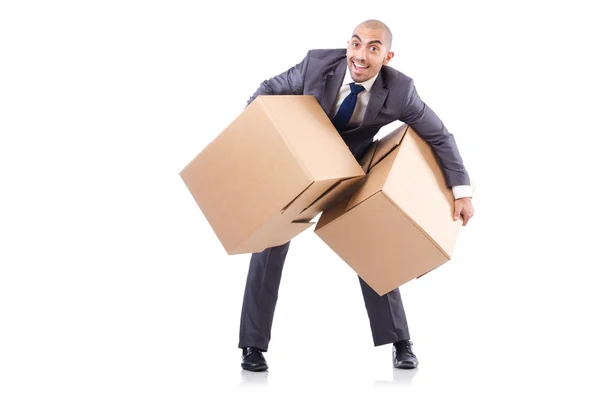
361 54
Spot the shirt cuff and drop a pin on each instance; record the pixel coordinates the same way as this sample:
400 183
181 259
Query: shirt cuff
461 191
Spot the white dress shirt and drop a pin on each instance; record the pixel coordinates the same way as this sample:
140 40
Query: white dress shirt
459 191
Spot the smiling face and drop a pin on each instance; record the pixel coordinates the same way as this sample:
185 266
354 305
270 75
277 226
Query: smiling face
367 52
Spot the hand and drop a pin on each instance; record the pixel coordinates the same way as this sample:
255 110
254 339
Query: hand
463 207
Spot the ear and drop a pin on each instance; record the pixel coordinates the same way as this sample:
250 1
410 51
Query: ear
388 58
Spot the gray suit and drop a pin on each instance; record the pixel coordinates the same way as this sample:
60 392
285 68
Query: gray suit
393 97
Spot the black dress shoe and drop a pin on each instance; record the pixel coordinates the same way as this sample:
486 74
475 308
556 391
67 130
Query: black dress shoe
403 356
253 359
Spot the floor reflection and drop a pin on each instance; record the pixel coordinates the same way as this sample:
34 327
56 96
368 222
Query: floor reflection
249 378
400 377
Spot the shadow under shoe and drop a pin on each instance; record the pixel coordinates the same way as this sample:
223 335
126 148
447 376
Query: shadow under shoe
404 358
253 359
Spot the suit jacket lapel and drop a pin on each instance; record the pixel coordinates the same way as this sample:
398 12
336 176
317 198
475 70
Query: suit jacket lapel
333 82
378 95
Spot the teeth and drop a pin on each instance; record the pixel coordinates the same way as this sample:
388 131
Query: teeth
358 66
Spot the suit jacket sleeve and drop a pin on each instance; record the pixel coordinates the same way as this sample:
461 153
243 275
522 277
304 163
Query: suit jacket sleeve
290 82
429 126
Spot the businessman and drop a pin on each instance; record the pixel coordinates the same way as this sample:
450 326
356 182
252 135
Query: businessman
360 94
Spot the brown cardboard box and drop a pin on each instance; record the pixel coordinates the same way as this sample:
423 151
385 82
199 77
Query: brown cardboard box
271 171
398 224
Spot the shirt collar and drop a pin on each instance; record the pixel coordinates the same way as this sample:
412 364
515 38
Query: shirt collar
367 84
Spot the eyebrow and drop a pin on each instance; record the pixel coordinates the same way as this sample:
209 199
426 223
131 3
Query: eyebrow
370 42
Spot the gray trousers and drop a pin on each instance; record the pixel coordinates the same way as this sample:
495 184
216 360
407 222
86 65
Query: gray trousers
386 313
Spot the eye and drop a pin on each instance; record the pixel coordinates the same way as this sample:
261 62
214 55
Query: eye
374 49
355 44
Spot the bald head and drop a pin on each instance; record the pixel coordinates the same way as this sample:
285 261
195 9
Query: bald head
374 24
368 50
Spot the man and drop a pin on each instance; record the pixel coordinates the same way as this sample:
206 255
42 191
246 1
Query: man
360 93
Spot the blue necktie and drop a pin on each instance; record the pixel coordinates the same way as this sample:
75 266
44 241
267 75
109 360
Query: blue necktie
342 118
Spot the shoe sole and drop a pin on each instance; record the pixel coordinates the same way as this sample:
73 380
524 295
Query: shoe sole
257 368
406 366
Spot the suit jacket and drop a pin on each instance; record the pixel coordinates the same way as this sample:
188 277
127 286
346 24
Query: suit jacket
393 97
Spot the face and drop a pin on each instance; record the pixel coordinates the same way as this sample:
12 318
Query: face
367 52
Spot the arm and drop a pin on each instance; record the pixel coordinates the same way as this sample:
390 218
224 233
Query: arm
290 82
429 126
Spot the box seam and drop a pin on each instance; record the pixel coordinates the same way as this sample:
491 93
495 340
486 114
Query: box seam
416 224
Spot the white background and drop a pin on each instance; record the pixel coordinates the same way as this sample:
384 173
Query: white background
112 282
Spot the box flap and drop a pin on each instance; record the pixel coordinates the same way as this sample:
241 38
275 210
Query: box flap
388 143
427 272
374 180
308 198
332 213
339 191
271 235
302 195
367 158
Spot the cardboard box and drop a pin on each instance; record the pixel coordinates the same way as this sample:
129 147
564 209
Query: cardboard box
271 171
398 225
